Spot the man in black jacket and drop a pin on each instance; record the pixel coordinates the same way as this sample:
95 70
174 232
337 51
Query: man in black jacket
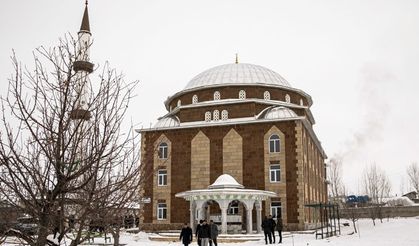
198 228
272 223
204 233
279 228
267 230
186 235
214 233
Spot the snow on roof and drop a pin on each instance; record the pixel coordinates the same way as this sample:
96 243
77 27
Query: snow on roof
225 181
278 113
237 73
169 121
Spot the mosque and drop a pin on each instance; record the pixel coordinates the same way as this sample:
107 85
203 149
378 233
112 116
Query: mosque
236 144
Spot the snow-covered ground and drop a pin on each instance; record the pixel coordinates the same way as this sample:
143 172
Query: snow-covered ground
398 231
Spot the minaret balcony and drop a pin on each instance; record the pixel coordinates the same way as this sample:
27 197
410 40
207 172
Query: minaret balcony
83 66
80 114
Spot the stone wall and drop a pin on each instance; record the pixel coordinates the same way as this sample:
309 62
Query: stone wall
408 211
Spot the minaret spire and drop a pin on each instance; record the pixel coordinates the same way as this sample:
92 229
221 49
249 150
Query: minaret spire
85 25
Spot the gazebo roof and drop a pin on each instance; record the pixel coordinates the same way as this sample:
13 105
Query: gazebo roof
225 181
226 187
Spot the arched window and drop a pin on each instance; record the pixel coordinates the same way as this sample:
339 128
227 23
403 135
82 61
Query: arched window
274 144
163 150
224 114
287 98
267 95
179 103
207 116
242 94
217 96
301 102
194 99
216 115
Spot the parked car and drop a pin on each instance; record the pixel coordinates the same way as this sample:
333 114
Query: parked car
27 225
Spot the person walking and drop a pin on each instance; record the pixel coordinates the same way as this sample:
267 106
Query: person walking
267 230
204 233
279 228
198 228
214 233
273 225
186 234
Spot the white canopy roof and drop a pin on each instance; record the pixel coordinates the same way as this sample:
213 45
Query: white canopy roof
226 188
237 73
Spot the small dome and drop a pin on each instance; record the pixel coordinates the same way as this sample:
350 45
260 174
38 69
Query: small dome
278 113
169 121
237 73
225 181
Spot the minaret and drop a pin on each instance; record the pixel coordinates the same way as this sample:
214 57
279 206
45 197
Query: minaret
83 67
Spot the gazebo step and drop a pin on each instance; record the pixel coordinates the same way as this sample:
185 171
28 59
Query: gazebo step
222 238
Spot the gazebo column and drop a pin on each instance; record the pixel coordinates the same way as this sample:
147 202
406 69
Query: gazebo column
258 205
223 206
249 221
200 209
192 213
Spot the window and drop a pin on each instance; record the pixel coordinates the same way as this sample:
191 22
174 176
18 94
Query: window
301 102
274 144
216 115
162 177
217 96
224 114
163 149
208 116
276 210
287 98
161 211
242 94
179 103
266 95
233 208
194 99
275 173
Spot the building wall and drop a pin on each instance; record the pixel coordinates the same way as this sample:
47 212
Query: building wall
232 92
200 162
233 155
217 150
161 193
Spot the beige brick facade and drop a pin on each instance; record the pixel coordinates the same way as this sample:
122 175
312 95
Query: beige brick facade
233 155
200 161
161 192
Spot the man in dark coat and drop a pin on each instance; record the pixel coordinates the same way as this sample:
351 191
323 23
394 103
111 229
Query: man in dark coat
186 235
279 228
267 230
273 225
214 233
198 228
204 233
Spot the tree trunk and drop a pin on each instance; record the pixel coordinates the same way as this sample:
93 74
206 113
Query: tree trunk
116 236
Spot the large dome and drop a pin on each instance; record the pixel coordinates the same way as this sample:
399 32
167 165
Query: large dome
237 73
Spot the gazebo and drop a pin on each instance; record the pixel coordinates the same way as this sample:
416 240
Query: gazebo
224 191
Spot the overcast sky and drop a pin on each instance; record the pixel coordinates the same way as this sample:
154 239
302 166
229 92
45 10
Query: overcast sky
359 60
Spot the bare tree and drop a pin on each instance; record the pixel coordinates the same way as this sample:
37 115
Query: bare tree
54 167
377 186
413 173
336 187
